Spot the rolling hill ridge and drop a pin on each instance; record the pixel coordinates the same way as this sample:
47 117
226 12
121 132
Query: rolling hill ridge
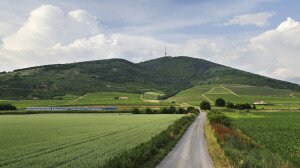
166 74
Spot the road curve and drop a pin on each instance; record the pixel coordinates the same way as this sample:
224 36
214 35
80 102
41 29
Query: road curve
191 150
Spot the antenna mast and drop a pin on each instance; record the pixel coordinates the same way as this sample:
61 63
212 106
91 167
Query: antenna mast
165 50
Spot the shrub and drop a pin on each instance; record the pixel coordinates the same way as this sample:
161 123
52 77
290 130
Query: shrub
219 118
205 105
136 111
243 106
181 111
220 102
230 105
192 109
7 106
164 111
172 110
149 111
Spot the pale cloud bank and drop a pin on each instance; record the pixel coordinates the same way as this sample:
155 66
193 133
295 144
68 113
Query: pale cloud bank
49 25
259 19
278 50
52 36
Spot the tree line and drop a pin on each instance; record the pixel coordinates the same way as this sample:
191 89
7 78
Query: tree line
7 106
220 102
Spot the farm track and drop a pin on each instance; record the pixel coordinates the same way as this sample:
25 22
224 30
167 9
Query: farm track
203 95
45 151
207 98
191 150
80 97
293 95
230 91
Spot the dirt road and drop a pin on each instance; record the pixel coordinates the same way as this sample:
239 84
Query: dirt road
191 150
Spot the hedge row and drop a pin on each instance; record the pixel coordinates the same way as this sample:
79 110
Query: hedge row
7 106
169 110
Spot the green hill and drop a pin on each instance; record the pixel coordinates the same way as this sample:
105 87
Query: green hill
195 71
275 98
167 74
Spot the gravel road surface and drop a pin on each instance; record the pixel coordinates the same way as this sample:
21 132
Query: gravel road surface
191 150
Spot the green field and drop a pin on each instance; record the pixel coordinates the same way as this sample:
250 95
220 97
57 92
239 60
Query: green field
108 98
151 95
97 98
276 98
278 131
73 140
192 96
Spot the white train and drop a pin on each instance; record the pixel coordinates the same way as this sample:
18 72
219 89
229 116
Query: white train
71 108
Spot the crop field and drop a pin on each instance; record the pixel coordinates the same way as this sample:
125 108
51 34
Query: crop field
229 98
37 103
192 95
73 140
278 131
278 98
108 98
254 90
151 95
98 98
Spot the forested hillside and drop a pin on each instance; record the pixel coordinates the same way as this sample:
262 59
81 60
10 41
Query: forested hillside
166 74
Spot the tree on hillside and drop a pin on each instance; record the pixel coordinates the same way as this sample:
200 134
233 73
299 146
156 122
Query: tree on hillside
7 106
136 111
243 106
205 105
220 102
181 111
149 111
230 105
172 110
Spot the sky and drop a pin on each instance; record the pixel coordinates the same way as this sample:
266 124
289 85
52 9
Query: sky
259 36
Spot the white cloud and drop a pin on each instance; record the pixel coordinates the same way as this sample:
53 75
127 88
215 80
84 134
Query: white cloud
134 48
259 19
49 25
277 51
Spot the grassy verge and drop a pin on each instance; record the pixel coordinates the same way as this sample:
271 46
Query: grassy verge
214 149
150 153
241 150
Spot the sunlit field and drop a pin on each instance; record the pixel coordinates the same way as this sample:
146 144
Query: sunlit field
275 98
73 140
278 131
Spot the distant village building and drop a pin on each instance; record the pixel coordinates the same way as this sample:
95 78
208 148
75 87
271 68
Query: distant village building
260 102
123 98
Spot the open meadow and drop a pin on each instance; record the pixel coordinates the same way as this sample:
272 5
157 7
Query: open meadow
73 140
275 98
92 99
278 131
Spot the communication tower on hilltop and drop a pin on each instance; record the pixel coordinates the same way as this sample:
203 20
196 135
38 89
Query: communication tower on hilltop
165 50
